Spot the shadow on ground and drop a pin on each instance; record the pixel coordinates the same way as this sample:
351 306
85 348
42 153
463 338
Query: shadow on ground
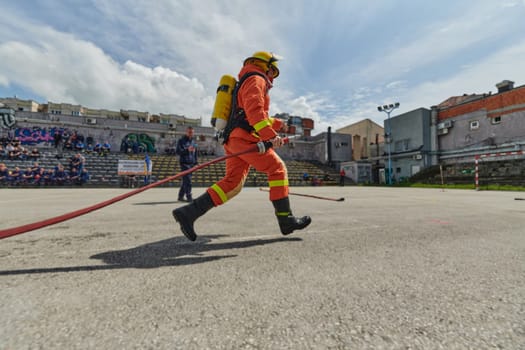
157 203
176 251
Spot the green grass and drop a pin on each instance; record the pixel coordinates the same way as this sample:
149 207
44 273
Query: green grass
490 187
450 186
455 186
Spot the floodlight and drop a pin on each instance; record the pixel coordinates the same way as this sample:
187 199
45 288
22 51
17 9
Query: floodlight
388 135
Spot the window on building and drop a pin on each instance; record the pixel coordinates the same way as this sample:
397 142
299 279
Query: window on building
402 145
398 146
474 124
495 120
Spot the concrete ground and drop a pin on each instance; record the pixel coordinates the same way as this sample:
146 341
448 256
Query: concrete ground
388 268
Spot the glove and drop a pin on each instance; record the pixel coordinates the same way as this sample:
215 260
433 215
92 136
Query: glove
261 145
277 142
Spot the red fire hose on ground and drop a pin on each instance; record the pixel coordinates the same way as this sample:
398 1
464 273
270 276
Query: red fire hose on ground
51 221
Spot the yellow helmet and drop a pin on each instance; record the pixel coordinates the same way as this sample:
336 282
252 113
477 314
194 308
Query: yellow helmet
269 58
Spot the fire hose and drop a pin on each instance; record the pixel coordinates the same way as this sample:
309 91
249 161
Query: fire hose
51 221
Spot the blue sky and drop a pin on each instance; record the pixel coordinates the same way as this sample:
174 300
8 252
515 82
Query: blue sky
340 58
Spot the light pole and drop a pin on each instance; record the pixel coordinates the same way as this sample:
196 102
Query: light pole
388 136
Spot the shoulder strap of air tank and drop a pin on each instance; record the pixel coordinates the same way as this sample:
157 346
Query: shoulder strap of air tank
247 75
233 120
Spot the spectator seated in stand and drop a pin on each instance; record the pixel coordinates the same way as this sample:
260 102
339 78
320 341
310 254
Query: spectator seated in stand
72 139
60 175
4 174
38 173
2 151
68 145
306 177
27 176
80 138
79 146
89 148
126 145
48 177
24 153
316 181
76 161
97 148
35 168
106 148
73 176
35 154
15 176
12 151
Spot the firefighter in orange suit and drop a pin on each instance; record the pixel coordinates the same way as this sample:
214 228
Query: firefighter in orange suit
251 125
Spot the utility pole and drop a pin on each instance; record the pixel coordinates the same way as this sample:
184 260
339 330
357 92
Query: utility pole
388 136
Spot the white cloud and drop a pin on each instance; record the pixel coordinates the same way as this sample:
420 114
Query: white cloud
95 80
396 84
204 44
169 57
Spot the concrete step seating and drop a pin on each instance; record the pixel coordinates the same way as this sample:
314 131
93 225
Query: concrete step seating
167 165
103 170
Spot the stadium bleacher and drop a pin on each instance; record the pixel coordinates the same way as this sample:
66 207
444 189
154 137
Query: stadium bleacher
167 165
103 170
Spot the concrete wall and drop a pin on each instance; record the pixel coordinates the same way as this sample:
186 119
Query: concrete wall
165 137
315 148
410 147
363 135
460 135
114 131
359 171
505 171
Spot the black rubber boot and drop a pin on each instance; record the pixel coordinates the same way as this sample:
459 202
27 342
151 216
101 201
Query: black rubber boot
187 214
287 222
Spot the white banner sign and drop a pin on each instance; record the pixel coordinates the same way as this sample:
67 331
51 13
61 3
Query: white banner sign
133 167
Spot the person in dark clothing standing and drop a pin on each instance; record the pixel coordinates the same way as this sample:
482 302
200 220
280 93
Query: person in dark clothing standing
57 138
187 151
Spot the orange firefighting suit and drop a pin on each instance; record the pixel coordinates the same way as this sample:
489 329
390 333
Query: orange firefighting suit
253 98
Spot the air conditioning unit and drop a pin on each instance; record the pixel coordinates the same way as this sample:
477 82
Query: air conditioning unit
443 131
447 124
418 157
441 126
91 120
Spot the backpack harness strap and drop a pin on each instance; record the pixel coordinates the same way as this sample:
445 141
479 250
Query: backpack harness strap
237 118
